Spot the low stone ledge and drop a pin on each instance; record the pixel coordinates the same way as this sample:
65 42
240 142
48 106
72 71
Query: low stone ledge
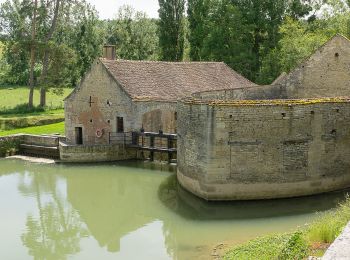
340 249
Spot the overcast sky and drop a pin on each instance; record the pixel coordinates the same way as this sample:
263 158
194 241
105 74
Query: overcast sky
108 8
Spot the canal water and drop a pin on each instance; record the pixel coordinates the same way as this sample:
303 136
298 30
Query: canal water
128 211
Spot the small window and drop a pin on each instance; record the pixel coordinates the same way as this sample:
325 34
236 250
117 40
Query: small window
312 112
120 124
336 54
175 115
337 110
333 132
283 115
90 120
108 103
108 121
231 116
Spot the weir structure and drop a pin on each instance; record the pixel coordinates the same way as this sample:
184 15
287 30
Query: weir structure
291 138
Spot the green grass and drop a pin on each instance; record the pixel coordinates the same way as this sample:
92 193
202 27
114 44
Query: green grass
38 130
312 240
15 96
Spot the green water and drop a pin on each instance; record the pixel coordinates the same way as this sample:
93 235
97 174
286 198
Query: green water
128 211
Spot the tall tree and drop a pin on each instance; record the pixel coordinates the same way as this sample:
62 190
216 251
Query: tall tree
45 62
171 29
197 13
32 56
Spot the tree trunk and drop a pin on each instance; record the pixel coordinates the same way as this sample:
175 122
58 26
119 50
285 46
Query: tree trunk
42 96
43 76
32 58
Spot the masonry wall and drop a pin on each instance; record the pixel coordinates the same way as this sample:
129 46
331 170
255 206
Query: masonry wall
324 74
95 153
263 151
246 93
109 101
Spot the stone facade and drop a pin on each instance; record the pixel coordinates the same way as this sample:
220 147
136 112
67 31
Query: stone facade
100 100
283 140
264 150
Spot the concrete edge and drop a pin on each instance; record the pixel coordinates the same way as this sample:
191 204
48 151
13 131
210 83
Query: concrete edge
340 249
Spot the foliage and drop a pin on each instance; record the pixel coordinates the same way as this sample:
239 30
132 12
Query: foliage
227 39
75 35
326 228
8 146
198 12
171 29
296 245
57 128
262 248
134 34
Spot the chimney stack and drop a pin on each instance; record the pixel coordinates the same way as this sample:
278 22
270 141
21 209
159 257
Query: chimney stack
109 52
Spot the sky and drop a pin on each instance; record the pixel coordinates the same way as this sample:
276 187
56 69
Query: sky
107 9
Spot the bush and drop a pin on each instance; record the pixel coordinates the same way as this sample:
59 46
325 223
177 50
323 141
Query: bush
8 146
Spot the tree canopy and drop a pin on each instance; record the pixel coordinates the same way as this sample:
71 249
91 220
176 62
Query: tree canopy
56 41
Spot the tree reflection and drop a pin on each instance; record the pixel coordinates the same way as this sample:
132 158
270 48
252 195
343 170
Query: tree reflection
56 231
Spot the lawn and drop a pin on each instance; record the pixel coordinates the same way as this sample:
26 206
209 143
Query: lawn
11 97
38 130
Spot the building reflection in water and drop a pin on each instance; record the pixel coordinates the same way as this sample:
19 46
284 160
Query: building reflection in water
127 209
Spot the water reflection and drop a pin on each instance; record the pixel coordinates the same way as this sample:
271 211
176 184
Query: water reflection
174 197
56 231
134 211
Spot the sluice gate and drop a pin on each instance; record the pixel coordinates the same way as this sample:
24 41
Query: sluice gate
149 142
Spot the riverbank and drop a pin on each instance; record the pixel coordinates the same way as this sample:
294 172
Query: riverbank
310 240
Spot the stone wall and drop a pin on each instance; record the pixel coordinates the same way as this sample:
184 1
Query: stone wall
95 153
324 74
283 148
247 93
109 101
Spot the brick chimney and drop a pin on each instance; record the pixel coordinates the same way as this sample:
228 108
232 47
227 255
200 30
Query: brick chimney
109 52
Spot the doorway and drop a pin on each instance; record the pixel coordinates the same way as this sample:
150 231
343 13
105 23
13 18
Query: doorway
120 124
79 135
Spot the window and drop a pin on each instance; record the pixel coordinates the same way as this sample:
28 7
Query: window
120 124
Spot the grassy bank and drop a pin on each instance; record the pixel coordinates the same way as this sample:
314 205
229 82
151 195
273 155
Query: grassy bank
15 96
57 128
20 121
311 240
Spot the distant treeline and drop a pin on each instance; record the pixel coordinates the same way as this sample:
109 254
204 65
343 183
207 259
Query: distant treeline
53 43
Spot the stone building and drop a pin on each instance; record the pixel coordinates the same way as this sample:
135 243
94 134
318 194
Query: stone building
123 96
287 139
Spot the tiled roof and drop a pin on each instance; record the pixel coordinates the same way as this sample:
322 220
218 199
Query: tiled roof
153 80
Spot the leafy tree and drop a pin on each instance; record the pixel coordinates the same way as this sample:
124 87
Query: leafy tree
198 12
134 34
36 30
171 29
228 39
